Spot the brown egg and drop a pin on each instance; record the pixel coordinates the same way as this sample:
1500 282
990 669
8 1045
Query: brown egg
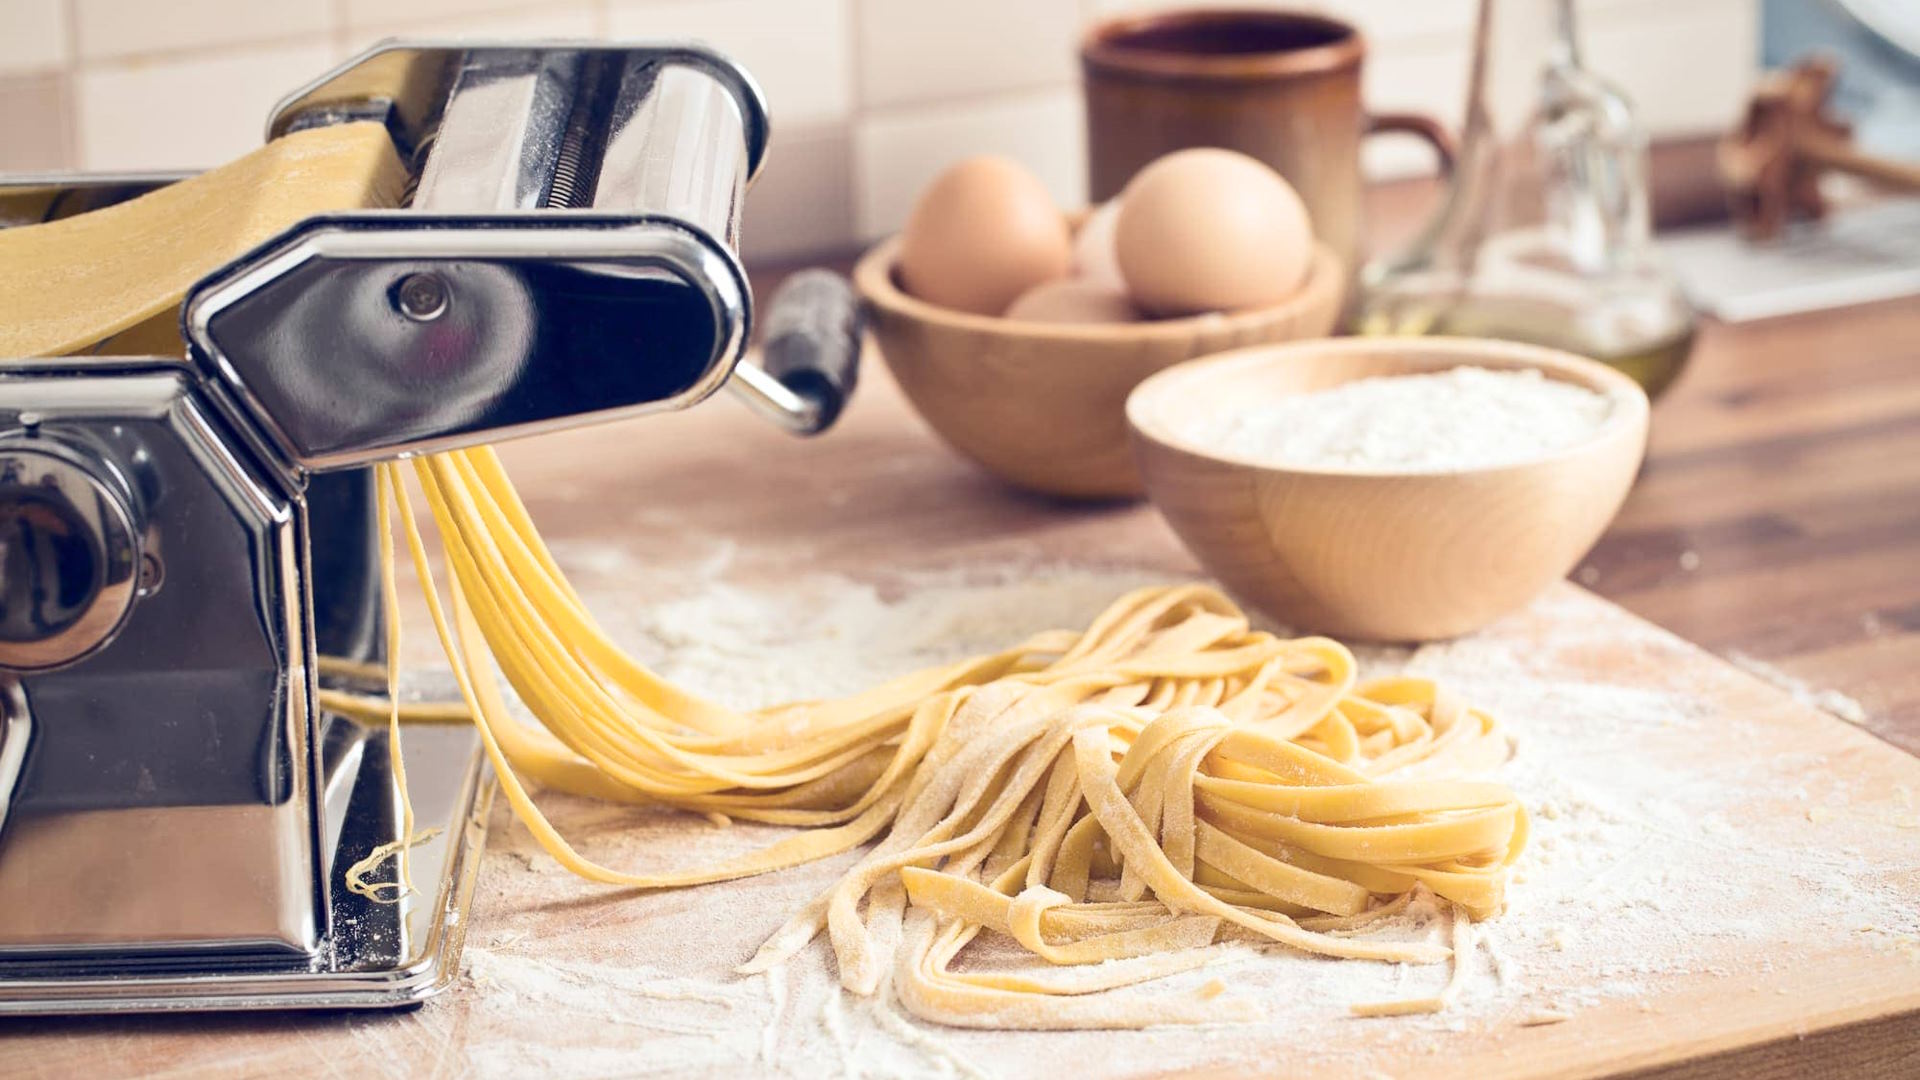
1211 230
1094 257
983 232
1074 300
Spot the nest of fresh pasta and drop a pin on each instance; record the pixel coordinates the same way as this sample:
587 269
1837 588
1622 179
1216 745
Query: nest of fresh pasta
1123 801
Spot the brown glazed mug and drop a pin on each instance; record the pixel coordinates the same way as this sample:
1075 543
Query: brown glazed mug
1280 86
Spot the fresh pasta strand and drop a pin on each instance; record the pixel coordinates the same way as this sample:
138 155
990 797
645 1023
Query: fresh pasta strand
1121 801
397 849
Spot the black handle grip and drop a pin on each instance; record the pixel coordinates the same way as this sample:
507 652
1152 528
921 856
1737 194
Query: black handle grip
813 333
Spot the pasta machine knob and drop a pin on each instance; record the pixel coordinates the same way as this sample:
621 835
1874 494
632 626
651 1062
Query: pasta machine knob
70 558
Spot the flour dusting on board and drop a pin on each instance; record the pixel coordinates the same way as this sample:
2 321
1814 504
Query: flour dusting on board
826 637
1645 863
1841 705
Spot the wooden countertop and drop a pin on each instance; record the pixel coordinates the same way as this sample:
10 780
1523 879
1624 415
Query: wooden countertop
1787 461
1778 515
1777 519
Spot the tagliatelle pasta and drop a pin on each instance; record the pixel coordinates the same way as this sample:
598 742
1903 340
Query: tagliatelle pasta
1119 801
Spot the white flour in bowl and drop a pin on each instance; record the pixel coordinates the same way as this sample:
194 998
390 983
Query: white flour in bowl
1463 418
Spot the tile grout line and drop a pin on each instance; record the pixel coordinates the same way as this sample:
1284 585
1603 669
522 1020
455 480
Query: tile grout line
341 16
70 84
218 51
1004 95
857 114
341 34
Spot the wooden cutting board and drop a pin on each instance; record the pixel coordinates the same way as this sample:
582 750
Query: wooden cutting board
1661 961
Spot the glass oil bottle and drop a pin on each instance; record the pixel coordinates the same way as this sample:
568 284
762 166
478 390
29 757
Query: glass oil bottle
1545 231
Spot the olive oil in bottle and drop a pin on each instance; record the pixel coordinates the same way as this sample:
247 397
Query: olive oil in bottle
1648 346
1544 235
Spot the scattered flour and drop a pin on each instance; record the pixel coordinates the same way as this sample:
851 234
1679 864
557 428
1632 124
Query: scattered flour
1646 864
1465 418
1829 701
749 649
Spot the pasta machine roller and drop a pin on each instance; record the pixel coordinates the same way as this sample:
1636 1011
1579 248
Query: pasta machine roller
182 539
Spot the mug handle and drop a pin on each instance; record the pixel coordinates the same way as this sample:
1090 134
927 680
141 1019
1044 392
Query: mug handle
1424 127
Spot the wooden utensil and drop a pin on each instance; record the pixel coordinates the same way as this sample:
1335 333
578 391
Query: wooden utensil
1043 405
1772 163
1374 555
1281 86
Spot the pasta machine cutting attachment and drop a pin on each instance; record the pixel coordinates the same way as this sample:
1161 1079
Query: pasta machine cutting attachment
187 544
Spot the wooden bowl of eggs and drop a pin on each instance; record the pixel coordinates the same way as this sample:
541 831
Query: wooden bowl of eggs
1391 489
1017 331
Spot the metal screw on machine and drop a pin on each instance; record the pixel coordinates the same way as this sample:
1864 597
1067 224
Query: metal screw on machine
421 297
70 559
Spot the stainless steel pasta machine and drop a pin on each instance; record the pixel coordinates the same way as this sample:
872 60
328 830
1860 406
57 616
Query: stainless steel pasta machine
182 538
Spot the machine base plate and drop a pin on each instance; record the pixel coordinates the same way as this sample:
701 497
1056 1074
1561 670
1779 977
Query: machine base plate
378 956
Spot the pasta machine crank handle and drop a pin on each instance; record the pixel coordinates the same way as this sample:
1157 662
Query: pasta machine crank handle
807 367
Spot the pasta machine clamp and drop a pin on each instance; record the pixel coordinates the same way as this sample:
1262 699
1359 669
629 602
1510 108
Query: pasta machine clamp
187 544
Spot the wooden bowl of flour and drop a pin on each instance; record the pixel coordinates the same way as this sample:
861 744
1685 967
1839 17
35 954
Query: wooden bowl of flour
1043 405
1386 553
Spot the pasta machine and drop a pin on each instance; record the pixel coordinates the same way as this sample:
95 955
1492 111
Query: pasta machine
182 539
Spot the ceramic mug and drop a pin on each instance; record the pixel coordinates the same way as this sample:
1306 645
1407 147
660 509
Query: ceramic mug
1280 86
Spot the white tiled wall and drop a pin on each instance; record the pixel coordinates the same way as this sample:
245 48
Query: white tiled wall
377 13
870 97
33 35
110 29
229 95
916 51
800 51
552 20
897 153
